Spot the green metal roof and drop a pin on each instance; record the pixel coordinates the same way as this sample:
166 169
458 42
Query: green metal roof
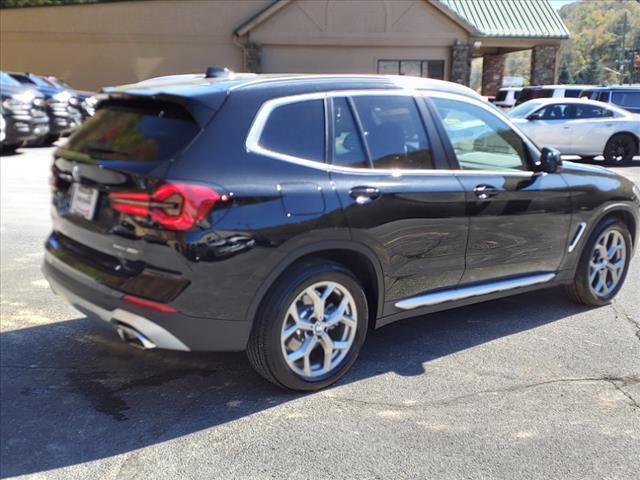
507 18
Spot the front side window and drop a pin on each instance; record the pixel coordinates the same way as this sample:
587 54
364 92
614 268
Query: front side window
394 132
558 111
480 139
296 129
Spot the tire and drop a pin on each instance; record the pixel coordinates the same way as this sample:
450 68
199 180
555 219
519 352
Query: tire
266 349
620 150
9 147
583 290
44 141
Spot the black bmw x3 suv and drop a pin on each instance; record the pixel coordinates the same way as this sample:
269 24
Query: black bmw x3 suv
287 215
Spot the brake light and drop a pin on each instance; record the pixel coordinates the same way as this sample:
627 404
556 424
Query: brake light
174 206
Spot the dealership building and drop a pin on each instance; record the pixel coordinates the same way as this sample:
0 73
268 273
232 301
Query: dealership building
94 45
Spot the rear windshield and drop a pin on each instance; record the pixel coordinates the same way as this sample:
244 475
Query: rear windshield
134 131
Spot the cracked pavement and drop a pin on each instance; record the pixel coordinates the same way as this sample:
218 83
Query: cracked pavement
525 387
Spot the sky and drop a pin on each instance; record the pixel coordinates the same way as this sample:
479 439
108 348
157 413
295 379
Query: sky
558 4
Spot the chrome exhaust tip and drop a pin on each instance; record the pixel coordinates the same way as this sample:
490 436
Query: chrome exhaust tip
133 337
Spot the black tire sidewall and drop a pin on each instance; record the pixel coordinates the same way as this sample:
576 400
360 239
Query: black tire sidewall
582 272
287 291
625 161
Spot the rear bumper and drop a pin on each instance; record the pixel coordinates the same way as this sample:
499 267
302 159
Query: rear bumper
138 325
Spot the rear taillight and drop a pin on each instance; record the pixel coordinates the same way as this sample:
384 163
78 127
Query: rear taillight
174 206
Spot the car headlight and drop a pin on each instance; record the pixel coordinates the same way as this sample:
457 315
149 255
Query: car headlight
60 97
636 191
15 103
91 101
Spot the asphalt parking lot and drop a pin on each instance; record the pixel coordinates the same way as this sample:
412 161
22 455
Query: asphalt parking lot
526 387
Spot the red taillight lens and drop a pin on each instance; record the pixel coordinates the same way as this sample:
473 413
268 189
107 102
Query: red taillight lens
143 302
131 203
184 204
175 206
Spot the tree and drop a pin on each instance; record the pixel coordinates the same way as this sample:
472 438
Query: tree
596 37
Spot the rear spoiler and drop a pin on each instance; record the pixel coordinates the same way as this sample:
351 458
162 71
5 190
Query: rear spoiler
200 112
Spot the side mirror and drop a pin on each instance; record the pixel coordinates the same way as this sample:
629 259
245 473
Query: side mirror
535 116
550 160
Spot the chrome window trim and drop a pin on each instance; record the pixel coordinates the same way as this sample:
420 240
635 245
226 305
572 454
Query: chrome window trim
460 293
252 143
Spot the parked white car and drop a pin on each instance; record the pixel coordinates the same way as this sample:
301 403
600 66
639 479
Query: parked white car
507 97
581 127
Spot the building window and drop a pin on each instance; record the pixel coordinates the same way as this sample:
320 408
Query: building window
416 68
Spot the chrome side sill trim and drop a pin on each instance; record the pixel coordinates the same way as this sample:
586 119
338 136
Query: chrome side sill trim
461 293
581 228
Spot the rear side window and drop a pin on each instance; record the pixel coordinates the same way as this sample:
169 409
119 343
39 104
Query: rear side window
347 146
591 111
626 99
501 96
296 129
394 132
134 131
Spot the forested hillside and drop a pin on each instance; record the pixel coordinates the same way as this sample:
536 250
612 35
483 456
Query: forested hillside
596 39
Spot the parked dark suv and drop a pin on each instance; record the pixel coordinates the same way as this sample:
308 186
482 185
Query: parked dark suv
286 215
23 114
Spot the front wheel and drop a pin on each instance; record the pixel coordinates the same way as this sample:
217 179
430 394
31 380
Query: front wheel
620 150
603 265
310 328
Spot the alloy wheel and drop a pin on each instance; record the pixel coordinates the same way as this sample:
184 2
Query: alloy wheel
319 329
606 266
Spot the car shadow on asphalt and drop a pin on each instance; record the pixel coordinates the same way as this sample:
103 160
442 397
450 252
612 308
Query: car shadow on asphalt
71 392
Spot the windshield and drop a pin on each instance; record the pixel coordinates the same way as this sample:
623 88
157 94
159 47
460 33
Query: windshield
7 79
523 110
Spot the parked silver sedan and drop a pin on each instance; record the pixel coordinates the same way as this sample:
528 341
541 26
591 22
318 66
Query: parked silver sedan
581 127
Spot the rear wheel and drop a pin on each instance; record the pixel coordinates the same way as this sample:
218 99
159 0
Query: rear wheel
603 265
620 150
9 147
311 327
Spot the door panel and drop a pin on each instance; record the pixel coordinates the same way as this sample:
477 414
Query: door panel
554 134
518 220
412 216
521 228
417 226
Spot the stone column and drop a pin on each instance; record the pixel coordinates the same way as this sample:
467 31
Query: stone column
461 63
492 71
544 65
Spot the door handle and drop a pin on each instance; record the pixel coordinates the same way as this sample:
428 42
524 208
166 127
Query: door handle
364 195
484 192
